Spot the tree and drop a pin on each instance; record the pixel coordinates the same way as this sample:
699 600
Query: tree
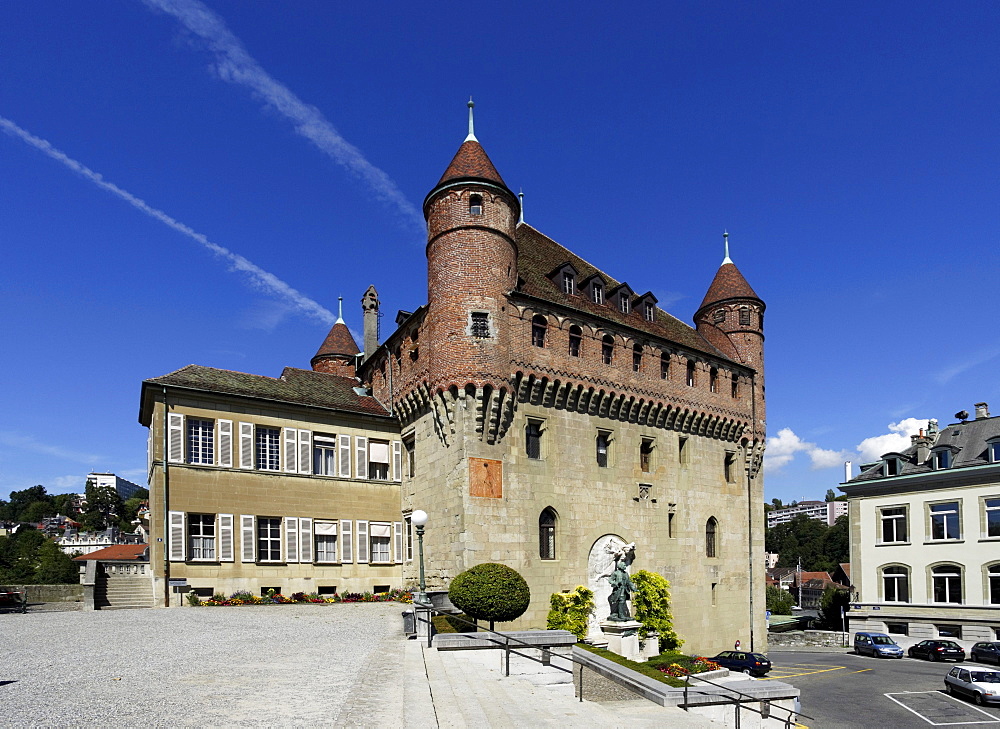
27 504
490 591
63 504
833 599
130 510
831 495
102 508
19 556
55 567
779 601
651 604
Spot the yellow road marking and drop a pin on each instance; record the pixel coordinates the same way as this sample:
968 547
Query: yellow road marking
862 670
805 673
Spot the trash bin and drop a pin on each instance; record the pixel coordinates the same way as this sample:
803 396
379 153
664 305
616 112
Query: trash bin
409 623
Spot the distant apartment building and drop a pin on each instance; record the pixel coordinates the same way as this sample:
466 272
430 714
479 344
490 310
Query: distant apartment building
126 489
825 511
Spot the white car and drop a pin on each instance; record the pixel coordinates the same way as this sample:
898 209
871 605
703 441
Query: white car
982 686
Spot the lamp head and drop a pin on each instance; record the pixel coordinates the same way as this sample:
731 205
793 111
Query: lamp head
418 518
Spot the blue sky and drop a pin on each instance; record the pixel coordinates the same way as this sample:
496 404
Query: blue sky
231 168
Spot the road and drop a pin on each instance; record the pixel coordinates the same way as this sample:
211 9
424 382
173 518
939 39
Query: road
856 692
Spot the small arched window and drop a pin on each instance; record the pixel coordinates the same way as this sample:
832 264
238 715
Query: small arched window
538 326
664 365
993 575
690 373
947 583
713 380
711 527
895 584
734 389
547 534
607 349
475 204
575 340
637 358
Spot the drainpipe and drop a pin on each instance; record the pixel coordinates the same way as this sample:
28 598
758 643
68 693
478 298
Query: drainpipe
750 515
166 504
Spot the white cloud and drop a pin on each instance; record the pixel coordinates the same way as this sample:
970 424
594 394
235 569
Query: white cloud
73 483
823 458
973 360
781 450
235 65
897 439
28 443
258 277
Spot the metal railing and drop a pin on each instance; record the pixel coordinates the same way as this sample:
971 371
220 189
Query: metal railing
741 701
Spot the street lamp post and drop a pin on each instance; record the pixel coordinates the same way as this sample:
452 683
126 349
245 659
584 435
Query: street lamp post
418 518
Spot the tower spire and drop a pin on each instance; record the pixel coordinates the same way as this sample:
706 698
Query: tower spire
472 130
340 309
520 196
725 237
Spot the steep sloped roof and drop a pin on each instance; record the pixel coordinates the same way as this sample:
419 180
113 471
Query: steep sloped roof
728 284
338 341
538 255
471 162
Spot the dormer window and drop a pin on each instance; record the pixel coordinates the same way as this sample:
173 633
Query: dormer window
993 450
941 459
475 205
597 292
892 466
623 304
649 311
568 282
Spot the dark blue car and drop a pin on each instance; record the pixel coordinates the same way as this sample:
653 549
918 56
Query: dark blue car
752 664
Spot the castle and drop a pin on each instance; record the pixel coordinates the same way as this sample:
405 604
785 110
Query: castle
535 407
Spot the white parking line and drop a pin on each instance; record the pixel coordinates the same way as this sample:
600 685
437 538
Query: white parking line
992 719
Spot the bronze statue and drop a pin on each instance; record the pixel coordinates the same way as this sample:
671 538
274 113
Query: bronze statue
622 587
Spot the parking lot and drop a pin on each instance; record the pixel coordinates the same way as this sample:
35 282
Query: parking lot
841 689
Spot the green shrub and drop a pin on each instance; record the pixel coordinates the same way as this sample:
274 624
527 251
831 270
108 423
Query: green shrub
193 599
571 611
490 591
651 604
779 601
646 669
453 624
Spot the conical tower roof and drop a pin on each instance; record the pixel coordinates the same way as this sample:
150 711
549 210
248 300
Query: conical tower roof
338 342
471 163
728 284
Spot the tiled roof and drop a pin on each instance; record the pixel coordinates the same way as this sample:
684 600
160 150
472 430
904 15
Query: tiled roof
136 552
728 284
538 255
303 387
967 441
338 341
471 162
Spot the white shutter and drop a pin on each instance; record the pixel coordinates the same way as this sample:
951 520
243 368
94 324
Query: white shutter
305 451
362 541
225 537
246 531
346 545
225 449
290 436
175 437
397 461
291 539
246 446
149 455
305 540
397 542
361 456
176 536
345 456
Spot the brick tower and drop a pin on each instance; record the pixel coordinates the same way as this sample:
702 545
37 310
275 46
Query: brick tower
338 354
471 267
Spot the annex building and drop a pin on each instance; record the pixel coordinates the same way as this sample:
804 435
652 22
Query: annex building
537 408
925 534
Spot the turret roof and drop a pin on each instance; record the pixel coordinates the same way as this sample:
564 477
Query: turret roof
728 284
338 341
471 162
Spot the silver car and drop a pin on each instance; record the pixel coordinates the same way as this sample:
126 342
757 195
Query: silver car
982 686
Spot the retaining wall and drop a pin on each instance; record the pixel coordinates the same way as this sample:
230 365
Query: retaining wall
48 593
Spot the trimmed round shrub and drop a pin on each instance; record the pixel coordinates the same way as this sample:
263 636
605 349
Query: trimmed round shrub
490 591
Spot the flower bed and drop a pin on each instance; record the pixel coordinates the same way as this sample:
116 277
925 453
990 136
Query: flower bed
276 598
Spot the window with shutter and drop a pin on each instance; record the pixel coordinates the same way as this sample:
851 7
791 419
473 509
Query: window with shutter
305 451
175 437
149 455
346 543
362 542
225 537
290 439
305 540
361 456
176 536
291 539
225 450
397 461
345 456
246 446
248 536
397 545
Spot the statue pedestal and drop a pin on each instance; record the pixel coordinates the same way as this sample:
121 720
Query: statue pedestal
623 638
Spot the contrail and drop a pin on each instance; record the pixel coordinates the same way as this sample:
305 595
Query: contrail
257 275
235 65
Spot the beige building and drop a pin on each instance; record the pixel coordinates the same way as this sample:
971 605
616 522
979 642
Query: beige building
925 535
289 483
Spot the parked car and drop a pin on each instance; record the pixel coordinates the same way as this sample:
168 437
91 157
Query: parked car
937 650
981 686
877 645
752 664
987 652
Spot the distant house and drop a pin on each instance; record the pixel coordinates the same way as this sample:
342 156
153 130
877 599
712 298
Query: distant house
126 489
824 511
117 577
925 526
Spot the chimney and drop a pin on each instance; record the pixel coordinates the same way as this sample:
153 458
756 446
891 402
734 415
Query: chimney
847 471
369 308
982 410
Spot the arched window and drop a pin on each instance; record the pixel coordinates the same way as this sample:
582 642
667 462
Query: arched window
475 204
575 340
637 358
710 536
993 577
664 365
744 316
947 583
895 584
547 534
538 327
690 373
713 380
607 349
734 389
